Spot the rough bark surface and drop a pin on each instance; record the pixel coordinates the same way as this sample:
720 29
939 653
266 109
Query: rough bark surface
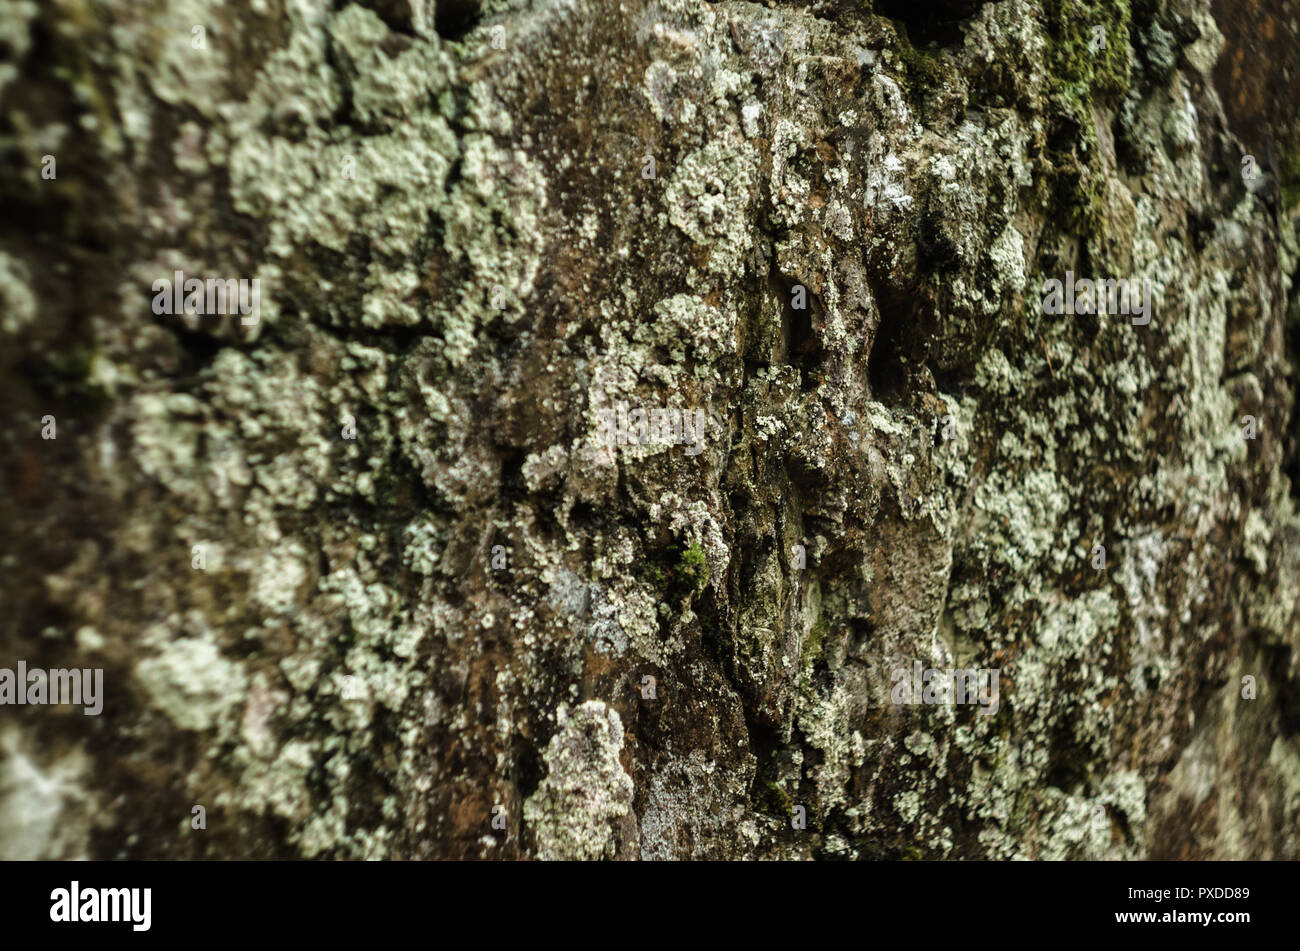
437 615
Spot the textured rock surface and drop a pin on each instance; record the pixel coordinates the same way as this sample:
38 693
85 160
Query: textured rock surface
431 596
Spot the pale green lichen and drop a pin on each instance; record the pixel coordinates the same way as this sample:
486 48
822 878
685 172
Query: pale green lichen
192 683
709 196
17 302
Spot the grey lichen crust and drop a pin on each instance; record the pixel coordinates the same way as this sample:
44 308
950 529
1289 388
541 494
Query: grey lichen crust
576 810
365 578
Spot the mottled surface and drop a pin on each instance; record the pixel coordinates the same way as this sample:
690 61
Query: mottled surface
431 597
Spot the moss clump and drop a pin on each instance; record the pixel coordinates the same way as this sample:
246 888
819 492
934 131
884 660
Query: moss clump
65 374
678 573
1082 72
1289 172
813 647
770 799
693 568
1086 64
924 71
1074 190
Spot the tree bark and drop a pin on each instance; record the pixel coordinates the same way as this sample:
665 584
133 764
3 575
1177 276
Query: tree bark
403 562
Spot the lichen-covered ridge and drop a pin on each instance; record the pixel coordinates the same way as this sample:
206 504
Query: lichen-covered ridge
368 582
